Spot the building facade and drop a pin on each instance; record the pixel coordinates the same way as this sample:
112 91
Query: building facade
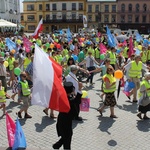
56 14
10 10
123 14
134 14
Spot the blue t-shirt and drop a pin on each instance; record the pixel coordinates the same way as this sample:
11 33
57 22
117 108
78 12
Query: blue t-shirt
104 69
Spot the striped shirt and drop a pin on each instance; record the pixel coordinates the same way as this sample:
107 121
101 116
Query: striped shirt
2 70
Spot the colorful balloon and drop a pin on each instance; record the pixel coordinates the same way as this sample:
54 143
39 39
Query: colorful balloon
17 71
13 51
102 56
118 74
6 63
51 45
84 94
2 54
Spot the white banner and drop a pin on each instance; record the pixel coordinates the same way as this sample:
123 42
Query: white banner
84 21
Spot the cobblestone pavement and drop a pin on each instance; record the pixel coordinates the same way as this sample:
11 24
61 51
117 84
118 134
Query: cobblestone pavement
126 132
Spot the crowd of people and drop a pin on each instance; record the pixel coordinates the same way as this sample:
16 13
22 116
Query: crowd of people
80 54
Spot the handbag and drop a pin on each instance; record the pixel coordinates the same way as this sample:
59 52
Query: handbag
144 99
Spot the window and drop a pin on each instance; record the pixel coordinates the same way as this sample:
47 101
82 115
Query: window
129 18
144 19
144 7
136 19
89 18
64 16
130 7
137 7
54 17
47 7
97 18
47 17
54 7
80 6
30 7
22 18
30 18
106 8
40 6
123 7
97 8
81 16
31 27
63 6
106 18
122 19
89 8
73 15
113 8
113 19
73 6
40 17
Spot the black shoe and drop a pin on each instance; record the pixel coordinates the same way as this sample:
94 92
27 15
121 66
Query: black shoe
19 115
55 146
27 116
78 118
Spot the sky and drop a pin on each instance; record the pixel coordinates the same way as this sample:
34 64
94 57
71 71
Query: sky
21 6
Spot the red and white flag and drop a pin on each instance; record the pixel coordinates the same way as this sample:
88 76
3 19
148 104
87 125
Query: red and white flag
38 29
48 90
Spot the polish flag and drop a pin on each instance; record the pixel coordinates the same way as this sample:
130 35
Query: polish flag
38 29
48 90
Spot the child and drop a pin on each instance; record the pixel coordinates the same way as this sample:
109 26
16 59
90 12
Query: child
24 95
15 82
2 98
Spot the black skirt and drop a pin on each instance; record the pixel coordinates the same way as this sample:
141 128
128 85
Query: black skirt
144 109
110 99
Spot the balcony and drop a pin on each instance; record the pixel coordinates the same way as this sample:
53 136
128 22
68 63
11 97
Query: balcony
63 21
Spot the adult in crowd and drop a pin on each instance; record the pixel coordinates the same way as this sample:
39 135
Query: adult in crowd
71 77
109 88
144 89
134 69
64 121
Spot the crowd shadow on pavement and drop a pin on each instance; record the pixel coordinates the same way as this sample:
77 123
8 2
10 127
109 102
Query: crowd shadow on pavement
143 125
46 121
131 107
105 126
11 105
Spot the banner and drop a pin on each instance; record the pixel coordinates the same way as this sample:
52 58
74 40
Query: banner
84 21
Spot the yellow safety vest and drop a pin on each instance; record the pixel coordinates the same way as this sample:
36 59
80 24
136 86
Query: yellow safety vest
111 79
147 85
125 54
135 70
97 53
26 62
112 58
144 58
2 95
11 63
25 88
148 54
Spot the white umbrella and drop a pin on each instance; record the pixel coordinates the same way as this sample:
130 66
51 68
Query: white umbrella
122 37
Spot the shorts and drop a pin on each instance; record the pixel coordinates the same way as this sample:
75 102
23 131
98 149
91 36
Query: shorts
26 102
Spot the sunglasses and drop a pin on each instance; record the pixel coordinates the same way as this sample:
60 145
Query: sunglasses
110 70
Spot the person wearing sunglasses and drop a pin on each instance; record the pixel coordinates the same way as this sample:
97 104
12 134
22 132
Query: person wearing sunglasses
109 88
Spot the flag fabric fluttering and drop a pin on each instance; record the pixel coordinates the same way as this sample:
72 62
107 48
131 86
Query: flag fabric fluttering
102 48
27 44
139 38
48 90
11 45
131 50
111 41
38 29
19 139
69 35
11 127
